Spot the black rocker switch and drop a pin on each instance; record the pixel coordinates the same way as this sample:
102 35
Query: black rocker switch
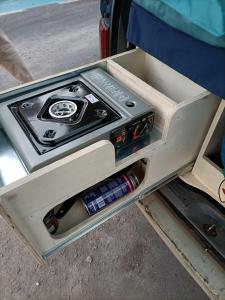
50 134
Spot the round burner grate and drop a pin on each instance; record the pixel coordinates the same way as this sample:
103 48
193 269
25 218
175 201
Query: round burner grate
62 109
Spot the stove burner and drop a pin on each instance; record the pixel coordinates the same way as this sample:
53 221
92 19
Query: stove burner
62 109
54 119
59 118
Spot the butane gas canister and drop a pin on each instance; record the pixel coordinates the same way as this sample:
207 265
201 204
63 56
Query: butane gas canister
109 191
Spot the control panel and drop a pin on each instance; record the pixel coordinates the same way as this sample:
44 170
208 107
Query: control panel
131 136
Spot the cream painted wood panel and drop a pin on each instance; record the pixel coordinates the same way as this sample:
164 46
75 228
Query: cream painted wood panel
181 125
37 193
206 174
60 180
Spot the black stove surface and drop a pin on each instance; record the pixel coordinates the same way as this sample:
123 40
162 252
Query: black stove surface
55 118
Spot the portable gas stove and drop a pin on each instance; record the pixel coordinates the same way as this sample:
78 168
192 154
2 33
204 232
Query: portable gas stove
51 124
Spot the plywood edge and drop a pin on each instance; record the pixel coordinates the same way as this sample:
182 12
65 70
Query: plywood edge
203 95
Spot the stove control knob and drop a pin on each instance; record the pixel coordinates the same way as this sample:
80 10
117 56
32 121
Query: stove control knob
141 127
139 130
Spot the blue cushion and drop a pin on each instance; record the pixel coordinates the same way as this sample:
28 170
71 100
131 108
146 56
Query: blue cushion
202 20
207 14
201 62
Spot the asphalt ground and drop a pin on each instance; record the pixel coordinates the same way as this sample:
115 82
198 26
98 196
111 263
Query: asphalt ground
10 6
53 38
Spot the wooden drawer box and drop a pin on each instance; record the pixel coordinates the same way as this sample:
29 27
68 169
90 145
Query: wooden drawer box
184 112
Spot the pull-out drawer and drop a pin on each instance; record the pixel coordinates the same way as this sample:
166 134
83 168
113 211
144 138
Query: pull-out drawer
183 111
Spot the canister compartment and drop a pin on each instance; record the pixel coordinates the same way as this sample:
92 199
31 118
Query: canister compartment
78 213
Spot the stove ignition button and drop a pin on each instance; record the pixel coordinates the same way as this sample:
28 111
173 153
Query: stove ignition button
141 127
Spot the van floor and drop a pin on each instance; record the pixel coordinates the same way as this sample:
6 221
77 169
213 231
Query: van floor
121 259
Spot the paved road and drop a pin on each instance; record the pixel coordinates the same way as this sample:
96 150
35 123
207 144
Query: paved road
7 6
130 262
53 38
